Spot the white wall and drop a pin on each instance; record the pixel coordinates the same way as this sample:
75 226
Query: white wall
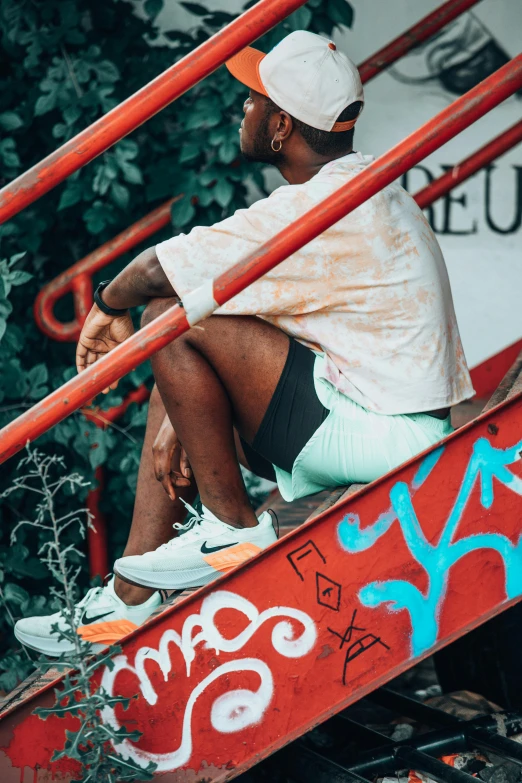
485 266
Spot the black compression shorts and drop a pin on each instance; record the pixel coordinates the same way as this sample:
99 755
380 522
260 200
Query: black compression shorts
293 415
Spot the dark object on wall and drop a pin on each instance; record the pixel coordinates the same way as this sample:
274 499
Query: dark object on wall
457 57
460 78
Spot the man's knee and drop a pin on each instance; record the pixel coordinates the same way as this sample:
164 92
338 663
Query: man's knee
155 308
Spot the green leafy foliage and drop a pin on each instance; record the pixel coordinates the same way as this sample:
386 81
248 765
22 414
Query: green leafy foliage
63 64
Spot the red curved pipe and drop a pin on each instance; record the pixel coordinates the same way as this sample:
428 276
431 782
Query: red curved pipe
75 278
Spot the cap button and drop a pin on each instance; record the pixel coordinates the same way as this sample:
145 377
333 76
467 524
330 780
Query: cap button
332 46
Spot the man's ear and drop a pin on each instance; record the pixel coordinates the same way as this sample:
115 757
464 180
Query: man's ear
285 125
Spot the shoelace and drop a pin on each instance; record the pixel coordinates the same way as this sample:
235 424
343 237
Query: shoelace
81 605
190 529
195 519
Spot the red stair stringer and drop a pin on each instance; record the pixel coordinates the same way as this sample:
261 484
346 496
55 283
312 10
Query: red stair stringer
329 613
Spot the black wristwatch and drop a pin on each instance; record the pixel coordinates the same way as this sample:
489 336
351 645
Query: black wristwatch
101 304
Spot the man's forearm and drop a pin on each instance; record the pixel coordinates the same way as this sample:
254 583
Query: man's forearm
143 279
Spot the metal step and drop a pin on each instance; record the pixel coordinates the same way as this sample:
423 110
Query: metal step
346 749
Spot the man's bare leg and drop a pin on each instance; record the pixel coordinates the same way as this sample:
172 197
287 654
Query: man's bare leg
154 512
217 375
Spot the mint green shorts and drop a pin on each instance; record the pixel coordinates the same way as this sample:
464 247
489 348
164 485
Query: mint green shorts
354 445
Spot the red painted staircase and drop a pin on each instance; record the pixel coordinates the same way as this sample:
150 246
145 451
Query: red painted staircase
386 576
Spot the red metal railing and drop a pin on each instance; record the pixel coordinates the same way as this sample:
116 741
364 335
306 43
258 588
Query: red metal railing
167 327
76 279
469 166
143 105
420 32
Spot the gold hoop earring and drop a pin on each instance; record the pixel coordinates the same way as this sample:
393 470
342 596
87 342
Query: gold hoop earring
279 148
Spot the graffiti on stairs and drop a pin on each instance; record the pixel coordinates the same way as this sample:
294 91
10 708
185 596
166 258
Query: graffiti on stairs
234 710
486 467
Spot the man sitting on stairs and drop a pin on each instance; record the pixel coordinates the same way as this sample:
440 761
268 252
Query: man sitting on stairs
336 366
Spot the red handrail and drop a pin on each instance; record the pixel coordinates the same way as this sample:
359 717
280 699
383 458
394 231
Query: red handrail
167 327
154 221
143 105
78 279
159 218
469 166
420 32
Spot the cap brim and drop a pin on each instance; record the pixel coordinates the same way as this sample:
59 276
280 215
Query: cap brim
244 66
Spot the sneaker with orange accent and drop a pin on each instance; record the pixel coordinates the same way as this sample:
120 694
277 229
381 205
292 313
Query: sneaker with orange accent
206 549
101 616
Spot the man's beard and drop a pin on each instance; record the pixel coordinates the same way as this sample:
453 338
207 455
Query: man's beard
261 151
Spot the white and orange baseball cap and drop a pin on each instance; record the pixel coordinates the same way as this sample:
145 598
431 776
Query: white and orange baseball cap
305 75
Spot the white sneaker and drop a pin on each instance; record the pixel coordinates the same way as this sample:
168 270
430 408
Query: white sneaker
102 618
206 549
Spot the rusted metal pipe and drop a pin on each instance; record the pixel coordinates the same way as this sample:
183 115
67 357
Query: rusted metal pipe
469 166
420 32
171 324
143 105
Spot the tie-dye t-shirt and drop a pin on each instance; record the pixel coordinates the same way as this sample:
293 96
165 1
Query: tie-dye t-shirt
372 292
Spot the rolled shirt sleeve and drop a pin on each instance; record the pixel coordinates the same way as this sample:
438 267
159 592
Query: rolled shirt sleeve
206 252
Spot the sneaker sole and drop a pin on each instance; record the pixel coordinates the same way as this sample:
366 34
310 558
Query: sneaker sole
48 647
169 580
217 564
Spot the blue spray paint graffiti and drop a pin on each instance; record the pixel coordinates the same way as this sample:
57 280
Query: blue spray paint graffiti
486 463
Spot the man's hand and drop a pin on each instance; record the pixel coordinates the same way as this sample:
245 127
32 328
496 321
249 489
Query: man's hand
100 334
171 464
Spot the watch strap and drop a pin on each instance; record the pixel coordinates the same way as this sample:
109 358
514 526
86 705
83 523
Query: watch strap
101 304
